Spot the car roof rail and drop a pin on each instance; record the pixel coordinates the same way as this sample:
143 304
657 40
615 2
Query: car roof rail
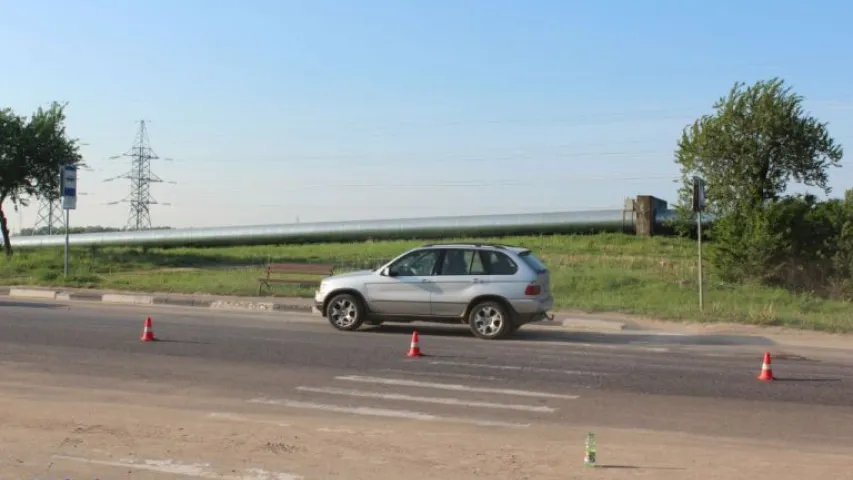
454 244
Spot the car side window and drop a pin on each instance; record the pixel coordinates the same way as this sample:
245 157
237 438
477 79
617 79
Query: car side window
459 262
499 264
416 264
477 265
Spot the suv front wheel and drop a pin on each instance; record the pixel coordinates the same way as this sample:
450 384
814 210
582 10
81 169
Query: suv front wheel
345 312
490 320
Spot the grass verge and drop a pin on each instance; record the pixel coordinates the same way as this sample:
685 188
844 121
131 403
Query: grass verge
616 273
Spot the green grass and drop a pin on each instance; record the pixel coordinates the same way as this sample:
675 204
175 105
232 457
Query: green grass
615 273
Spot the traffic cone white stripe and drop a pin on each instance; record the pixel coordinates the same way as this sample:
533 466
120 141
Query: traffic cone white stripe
766 368
414 347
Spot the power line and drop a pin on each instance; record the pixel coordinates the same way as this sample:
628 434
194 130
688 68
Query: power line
384 206
141 178
551 181
596 119
397 158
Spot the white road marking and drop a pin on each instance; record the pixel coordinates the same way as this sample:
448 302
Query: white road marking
336 430
493 423
198 470
515 367
384 412
627 347
370 411
240 418
353 432
457 388
439 374
261 474
437 400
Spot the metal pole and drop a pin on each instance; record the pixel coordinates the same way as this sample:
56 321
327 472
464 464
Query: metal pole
699 234
67 228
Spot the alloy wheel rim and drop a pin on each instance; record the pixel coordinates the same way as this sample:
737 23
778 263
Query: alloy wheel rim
343 313
488 321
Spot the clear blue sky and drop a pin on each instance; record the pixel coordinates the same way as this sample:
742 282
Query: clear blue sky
327 110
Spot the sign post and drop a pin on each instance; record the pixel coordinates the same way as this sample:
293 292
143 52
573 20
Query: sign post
68 191
698 208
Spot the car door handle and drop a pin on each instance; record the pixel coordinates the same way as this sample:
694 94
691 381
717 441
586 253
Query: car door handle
477 280
424 280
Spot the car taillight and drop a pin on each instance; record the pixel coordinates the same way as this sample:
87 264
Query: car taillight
533 290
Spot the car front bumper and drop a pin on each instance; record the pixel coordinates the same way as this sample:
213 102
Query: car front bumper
319 299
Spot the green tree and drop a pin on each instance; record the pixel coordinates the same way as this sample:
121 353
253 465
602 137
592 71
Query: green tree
756 142
31 153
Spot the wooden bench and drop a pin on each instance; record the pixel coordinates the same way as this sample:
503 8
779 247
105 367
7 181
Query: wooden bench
271 269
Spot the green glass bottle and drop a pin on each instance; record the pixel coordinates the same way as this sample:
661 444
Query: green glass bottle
589 458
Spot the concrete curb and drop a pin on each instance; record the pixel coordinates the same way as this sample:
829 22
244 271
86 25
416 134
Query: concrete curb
32 293
127 299
592 324
148 299
244 305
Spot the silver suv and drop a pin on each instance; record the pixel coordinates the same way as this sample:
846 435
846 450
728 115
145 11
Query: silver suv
494 289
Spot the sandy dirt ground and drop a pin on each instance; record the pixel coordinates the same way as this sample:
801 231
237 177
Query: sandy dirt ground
65 433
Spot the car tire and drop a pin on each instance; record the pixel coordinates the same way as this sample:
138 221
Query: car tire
489 320
345 312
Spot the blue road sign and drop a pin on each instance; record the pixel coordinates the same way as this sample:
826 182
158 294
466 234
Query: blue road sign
68 186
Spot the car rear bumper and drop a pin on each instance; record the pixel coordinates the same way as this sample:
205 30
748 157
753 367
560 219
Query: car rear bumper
532 305
531 318
532 310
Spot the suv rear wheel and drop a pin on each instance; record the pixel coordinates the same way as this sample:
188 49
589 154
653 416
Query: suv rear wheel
345 312
489 320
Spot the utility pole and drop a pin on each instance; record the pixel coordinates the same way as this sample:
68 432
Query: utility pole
49 213
699 186
141 178
50 216
68 194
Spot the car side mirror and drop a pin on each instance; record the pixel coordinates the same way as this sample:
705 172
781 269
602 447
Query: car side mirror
388 272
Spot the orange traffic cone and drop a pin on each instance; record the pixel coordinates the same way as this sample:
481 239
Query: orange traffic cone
148 331
766 370
414 348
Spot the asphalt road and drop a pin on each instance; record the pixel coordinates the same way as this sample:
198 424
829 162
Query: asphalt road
704 385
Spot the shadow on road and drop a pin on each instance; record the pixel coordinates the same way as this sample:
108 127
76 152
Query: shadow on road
794 380
428 330
185 342
643 338
637 467
11 303
559 335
